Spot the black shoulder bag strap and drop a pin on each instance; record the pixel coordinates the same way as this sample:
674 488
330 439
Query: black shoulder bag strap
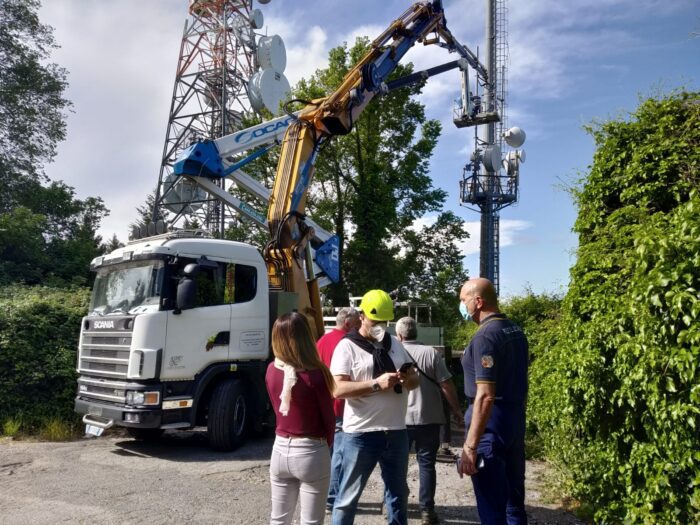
421 372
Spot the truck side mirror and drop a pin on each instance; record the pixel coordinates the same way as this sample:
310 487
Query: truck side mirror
191 270
186 294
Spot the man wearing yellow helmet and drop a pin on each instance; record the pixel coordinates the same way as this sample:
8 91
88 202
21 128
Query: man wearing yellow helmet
373 373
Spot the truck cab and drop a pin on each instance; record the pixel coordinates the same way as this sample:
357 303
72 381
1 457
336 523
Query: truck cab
177 336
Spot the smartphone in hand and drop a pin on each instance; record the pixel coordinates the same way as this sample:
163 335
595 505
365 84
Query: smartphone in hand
479 464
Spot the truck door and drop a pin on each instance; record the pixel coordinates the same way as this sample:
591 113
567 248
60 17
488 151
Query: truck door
200 336
250 311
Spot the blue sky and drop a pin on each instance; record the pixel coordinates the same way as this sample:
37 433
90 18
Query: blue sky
570 63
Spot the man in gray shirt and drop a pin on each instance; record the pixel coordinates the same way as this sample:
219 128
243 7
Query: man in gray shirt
425 412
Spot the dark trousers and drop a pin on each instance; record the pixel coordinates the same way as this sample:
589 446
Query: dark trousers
427 440
499 486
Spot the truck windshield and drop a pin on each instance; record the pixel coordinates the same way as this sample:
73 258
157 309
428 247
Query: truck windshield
127 288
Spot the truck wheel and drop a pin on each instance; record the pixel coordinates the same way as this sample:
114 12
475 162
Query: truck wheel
227 425
145 434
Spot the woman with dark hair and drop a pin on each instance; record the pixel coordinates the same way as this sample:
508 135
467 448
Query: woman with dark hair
300 388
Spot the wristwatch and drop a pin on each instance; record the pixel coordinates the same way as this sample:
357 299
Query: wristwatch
376 387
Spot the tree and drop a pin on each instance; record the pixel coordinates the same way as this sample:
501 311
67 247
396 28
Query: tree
54 237
47 233
32 102
371 184
22 246
145 212
112 244
615 394
433 264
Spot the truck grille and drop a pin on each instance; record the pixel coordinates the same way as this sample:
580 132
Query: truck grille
102 389
105 354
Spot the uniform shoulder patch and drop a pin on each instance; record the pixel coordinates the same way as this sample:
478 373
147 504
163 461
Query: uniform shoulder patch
487 361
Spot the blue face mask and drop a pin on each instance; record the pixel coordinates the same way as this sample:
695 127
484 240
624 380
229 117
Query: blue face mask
465 313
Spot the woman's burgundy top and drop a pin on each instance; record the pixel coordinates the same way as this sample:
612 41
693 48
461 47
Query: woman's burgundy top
311 408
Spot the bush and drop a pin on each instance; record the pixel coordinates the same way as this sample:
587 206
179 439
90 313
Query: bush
615 397
39 330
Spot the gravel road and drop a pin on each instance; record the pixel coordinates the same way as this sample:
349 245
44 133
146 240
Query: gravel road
116 480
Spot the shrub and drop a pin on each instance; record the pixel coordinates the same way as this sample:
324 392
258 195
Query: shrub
39 330
616 396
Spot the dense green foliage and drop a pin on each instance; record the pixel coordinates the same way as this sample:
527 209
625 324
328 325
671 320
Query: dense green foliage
39 330
377 176
615 390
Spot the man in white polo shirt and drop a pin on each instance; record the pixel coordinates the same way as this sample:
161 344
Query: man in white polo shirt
367 366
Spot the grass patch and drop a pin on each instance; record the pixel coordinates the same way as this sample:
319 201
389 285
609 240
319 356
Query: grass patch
11 427
57 430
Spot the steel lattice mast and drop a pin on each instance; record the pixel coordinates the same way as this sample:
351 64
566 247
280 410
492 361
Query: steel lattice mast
489 181
217 58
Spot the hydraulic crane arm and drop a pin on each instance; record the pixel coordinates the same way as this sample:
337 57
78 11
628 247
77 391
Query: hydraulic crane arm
287 254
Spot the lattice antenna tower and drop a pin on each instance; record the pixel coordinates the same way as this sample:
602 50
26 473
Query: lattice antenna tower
220 59
490 180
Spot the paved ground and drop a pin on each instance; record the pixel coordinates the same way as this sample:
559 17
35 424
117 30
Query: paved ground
115 480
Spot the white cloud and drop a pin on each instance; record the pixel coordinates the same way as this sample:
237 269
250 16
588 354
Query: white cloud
509 234
307 50
549 39
510 230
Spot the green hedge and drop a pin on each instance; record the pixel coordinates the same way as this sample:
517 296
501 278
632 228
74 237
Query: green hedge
39 330
616 396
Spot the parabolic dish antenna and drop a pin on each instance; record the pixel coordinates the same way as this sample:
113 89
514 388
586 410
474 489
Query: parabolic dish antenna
266 89
272 53
263 2
256 19
492 158
180 197
514 137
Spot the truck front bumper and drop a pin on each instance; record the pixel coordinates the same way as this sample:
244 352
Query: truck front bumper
120 416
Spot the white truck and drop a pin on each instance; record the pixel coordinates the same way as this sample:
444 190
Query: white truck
177 336
177 333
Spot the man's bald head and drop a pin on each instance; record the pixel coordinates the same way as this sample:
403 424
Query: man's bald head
482 288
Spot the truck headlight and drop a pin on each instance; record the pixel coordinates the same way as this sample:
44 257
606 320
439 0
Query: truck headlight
142 398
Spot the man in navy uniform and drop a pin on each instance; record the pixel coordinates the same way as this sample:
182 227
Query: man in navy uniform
495 382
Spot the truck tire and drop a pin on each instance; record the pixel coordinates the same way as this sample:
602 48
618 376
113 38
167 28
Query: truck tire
145 434
227 425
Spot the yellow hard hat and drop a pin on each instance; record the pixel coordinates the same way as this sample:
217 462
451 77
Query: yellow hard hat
377 306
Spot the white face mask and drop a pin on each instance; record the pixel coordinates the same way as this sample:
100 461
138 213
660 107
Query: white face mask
377 332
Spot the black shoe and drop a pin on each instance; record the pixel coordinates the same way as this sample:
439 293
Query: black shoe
445 455
429 517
